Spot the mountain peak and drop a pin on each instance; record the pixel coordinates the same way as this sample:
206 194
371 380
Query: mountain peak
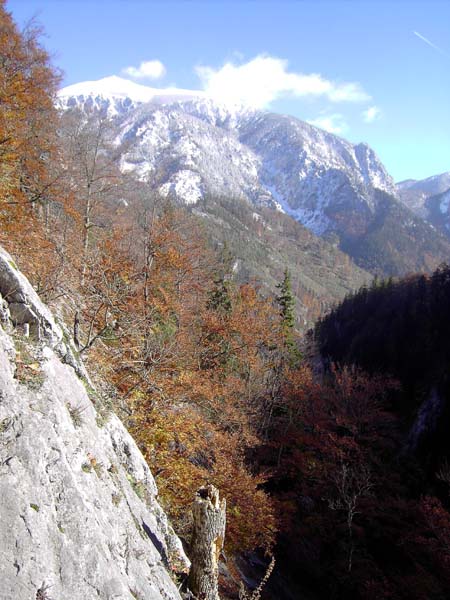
116 94
219 149
109 86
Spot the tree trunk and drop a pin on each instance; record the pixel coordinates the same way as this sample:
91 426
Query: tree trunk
76 329
86 232
207 543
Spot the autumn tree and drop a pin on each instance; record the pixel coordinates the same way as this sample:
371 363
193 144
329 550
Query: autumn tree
27 117
92 174
28 83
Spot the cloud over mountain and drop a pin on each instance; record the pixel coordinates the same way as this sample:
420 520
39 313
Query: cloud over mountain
373 113
148 69
334 123
265 78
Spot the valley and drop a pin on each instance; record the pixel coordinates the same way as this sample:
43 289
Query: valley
224 327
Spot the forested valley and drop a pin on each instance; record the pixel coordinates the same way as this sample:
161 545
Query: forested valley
330 446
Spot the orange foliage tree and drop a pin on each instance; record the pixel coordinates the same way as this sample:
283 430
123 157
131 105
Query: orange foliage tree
27 144
195 375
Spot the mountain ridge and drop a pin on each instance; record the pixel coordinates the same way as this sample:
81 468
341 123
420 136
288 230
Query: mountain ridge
190 148
429 199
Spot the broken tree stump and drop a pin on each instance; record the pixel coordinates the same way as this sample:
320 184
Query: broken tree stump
207 542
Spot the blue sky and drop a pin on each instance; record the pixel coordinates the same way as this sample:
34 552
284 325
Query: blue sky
377 72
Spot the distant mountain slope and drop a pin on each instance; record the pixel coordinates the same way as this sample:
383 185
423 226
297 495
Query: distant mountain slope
189 147
438 211
428 187
309 171
414 193
397 242
429 198
265 242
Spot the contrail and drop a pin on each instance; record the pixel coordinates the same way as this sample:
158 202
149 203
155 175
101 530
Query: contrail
424 39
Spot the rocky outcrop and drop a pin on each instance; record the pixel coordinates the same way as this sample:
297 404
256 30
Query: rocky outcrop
427 419
24 304
20 304
79 512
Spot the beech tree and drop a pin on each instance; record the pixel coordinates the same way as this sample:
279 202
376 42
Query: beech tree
27 117
28 148
92 173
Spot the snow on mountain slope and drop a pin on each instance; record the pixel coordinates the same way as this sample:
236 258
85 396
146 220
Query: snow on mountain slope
310 171
429 186
189 146
428 198
437 209
187 156
415 193
445 202
117 95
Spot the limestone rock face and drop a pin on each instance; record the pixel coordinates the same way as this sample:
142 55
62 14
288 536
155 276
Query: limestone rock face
24 304
79 517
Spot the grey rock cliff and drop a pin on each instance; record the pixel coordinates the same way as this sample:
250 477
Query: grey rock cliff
78 504
24 304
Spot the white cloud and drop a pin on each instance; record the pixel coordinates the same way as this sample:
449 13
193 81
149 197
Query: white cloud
334 123
373 113
148 69
263 79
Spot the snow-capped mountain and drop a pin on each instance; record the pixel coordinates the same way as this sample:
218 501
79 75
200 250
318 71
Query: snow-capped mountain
428 198
193 146
117 96
189 146
313 174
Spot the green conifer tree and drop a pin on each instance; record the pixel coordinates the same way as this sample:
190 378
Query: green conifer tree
286 303
220 296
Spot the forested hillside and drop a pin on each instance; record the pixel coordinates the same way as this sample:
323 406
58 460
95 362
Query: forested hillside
400 328
266 242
